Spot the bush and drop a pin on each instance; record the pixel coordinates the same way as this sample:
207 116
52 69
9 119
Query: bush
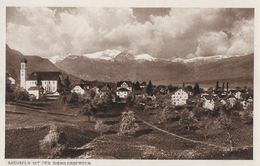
54 143
87 110
32 98
128 126
9 91
207 126
21 94
225 123
247 115
73 98
164 114
101 127
187 119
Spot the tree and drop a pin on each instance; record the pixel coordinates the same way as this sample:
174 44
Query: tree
189 88
164 115
217 86
54 143
9 90
207 126
223 86
60 87
149 88
137 86
196 88
225 123
187 119
128 125
227 86
101 127
73 98
21 94
67 84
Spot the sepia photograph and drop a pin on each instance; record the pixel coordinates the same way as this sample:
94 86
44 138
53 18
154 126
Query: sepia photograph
144 83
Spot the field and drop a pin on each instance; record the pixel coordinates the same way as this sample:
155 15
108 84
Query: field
26 126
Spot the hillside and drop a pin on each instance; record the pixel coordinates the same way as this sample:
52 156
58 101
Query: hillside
235 69
34 63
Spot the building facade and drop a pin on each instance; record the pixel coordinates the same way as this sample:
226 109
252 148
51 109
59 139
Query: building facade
179 97
123 89
47 82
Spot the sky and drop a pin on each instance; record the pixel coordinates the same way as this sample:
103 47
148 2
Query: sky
167 33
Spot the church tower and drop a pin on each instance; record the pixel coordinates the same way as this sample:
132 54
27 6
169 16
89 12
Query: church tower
23 74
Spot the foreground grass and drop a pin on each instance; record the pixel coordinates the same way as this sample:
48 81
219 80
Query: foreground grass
25 128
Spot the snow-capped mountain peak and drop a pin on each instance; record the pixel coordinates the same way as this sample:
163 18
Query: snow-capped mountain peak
103 55
204 59
144 57
114 54
56 59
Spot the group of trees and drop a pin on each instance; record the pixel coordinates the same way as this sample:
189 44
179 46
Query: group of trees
149 88
13 93
93 103
64 86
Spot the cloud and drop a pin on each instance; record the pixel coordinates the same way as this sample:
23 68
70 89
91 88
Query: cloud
241 41
175 33
242 38
212 43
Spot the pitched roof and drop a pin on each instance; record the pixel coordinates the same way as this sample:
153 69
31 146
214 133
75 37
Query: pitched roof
129 83
179 89
44 75
82 86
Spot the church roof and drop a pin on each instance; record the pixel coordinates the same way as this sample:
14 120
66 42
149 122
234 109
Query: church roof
44 75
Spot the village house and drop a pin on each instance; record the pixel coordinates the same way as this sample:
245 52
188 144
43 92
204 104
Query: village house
238 95
79 89
37 81
232 100
123 89
179 97
208 103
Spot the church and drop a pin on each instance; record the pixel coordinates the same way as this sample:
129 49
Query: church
39 82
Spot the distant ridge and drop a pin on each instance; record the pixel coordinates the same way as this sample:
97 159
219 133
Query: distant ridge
34 63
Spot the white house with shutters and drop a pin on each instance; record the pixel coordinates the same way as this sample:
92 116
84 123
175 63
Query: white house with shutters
123 89
179 97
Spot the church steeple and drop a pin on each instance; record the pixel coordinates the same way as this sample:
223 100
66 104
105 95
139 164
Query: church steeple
23 74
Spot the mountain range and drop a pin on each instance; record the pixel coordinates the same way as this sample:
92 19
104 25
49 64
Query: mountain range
115 65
